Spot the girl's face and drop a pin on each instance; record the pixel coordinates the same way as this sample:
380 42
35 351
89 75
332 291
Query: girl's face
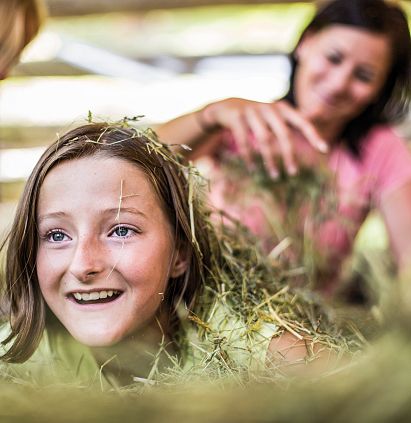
340 72
106 249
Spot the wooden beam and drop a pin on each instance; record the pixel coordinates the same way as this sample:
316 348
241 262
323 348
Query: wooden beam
27 136
84 7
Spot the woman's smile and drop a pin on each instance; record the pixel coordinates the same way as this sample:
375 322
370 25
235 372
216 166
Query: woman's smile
333 81
328 99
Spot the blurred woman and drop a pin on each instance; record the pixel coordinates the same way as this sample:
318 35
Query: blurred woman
350 82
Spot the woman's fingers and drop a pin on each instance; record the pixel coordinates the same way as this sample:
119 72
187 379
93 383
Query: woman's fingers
241 133
229 113
265 128
263 137
297 121
283 136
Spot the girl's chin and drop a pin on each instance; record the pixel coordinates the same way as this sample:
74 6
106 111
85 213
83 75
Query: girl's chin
93 340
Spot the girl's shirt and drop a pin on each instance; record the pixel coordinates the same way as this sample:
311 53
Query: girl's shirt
353 187
58 359
229 344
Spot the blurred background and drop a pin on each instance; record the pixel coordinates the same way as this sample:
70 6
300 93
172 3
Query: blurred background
157 58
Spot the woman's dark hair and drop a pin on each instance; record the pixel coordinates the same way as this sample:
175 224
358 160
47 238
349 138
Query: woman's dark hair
181 200
381 18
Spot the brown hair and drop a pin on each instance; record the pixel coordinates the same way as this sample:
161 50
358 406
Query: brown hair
33 13
172 181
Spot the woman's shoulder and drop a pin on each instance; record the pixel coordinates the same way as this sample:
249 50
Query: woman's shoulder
387 157
382 139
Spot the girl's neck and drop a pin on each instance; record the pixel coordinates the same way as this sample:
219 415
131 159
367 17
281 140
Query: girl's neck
135 356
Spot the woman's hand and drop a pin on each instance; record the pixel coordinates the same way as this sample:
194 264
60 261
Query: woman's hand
263 127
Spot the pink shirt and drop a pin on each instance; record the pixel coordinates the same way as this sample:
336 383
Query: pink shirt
385 165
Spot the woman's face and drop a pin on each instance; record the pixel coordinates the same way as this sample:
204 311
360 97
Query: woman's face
106 249
340 71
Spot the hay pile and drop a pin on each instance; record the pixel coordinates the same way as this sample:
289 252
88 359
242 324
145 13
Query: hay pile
252 290
376 389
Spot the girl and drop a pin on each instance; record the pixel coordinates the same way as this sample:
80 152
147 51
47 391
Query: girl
350 82
111 256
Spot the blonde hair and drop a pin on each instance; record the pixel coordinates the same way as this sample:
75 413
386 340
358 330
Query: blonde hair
32 13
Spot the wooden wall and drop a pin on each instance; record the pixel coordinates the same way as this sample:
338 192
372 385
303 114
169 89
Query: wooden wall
82 7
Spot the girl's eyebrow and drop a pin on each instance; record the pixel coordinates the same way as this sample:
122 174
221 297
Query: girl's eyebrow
111 211
122 209
51 216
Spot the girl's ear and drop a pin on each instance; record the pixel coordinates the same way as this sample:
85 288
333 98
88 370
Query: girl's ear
180 263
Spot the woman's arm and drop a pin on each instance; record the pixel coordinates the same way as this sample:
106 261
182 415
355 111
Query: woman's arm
255 126
185 129
387 164
396 211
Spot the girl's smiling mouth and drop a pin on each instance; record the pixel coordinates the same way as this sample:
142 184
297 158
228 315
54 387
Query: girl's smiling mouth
95 297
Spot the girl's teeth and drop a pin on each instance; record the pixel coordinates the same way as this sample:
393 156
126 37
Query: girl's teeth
92 296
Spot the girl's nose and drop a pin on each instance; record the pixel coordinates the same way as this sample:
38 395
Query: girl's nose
88 260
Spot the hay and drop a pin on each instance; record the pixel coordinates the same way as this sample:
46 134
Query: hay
294 209
374 388
377 389
252 289
244 287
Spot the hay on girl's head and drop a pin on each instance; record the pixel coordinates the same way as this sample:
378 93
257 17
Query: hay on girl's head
111 240
167 177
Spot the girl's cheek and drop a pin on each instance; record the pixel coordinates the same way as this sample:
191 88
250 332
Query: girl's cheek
42 269
50 262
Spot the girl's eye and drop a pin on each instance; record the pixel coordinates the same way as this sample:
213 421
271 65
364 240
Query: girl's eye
56 236
123 232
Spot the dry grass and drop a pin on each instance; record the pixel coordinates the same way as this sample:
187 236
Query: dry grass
254 290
